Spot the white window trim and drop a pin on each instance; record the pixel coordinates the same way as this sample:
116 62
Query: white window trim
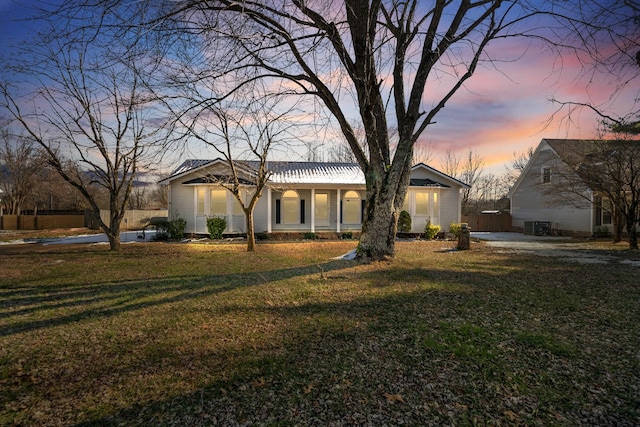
358 208
283 210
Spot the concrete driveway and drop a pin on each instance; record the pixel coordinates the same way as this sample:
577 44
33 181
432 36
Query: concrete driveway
583 251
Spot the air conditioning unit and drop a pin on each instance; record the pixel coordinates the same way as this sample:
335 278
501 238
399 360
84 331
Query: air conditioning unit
537 228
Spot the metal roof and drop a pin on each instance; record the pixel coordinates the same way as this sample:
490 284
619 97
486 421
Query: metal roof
284 173
214 179
189 165
417 182
315 173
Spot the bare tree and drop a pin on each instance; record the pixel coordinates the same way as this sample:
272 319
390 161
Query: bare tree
89 107
376 58
341 153
138 197
423 153
606 39
468 170
450 164
518 163
593 170
20 163
56 193
244 135
384 65
490 193
159 196
612 169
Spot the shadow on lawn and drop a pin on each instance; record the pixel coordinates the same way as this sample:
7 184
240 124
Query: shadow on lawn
114 298
324 373
382 338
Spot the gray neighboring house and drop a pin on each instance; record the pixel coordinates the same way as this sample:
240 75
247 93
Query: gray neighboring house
541 201
303 197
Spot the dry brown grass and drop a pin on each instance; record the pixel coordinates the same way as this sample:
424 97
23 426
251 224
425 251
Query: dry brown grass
194 334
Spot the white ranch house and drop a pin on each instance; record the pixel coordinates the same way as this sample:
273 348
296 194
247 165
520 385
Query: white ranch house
303 197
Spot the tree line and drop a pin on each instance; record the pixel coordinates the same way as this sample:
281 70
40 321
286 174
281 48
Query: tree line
113 85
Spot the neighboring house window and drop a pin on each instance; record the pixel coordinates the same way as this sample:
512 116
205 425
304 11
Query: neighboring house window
200 201
290 207
606 211
218 202
603 211
546 175
351 208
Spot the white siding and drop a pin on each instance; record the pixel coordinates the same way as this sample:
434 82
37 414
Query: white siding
533 200
182 205
260 214
449 200
449 207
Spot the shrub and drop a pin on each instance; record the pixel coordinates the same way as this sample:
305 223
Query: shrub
455 228
176 228
310 236
347 235
216 227
431 231
404 222
602 231
170 230
162 231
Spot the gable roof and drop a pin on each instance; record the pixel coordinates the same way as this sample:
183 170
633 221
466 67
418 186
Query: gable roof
283 172
573 152
560 147
443 176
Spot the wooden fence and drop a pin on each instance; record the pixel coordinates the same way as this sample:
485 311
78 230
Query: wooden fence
41 222
488 222
133 219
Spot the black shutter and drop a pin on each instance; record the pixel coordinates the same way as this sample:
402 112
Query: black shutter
302 211
362 203
277 211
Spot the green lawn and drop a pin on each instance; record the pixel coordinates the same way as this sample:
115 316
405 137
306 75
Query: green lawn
194 334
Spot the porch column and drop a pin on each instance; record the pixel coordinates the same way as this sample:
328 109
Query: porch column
338 211
195 209
269 209
313 210
230 201
592 214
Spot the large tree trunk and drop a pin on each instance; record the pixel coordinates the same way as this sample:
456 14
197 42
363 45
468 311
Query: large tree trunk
386 190
113 231
633 234
617 218
251 238
379 227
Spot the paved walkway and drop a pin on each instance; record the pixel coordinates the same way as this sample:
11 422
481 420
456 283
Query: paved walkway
572 250
125 237
514 237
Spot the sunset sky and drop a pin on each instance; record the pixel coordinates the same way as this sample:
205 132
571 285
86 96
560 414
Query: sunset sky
496 113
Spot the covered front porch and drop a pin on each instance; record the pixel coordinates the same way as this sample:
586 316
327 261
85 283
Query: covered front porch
314 210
